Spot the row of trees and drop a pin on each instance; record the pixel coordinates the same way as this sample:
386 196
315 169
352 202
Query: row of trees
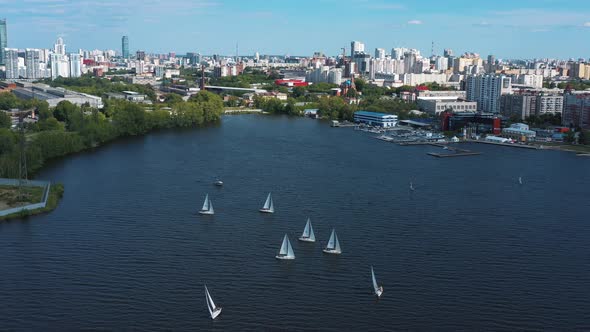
68 128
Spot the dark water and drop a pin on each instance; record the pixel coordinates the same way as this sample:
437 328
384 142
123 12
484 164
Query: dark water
470 249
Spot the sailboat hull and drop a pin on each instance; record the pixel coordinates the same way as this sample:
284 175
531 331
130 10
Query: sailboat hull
215 313
284 257
332 251
263 210
206 212
379 292
306 239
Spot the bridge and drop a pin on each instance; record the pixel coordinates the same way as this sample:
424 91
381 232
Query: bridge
231 88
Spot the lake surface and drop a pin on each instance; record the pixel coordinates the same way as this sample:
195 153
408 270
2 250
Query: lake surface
469 249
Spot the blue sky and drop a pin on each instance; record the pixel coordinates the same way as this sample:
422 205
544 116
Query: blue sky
508 29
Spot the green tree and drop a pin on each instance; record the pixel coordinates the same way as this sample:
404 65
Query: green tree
7 141
299 91
130 120
5 121
50 124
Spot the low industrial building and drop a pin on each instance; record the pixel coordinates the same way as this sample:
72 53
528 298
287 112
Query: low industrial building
375 119
54 95
130 96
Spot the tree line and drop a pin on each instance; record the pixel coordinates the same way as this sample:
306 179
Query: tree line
68 128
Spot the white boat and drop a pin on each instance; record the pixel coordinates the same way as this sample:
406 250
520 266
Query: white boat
207 206
268 205
214 310
412 186
307 235
218 183
377 289
333 246
286 251
520 180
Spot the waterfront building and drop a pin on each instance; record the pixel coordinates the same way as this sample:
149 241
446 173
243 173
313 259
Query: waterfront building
436 105
519 131
576 109
375 119
486 90
480 122
3 41
125 47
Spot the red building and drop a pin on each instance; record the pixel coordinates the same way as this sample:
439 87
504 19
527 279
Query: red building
291 83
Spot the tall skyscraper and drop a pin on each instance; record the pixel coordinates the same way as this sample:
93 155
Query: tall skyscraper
125 47
32 62
75 65
3 41
491 65
11 62
59 47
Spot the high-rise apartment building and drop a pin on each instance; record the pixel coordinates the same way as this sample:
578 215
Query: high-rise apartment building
59 47
125 47
11 63
140 55
3 41
32 62
380 53
59 66
75 65
356 47
576 109
486 90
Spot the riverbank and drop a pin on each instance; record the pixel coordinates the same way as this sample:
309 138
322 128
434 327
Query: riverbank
53 198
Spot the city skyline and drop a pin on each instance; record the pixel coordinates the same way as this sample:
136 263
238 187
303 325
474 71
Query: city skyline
304 27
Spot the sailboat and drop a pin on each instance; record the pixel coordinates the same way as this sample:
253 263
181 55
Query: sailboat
412 186
307 235
214 310
520 180
268 206
333 246
207 206
286 251
378 289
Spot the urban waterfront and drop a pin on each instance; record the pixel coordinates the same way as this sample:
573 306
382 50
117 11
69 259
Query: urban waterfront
468 249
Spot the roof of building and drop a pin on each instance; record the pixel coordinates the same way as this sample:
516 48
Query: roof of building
415 123
367 113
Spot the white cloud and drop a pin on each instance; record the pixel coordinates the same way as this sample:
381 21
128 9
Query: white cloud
587 24
415 22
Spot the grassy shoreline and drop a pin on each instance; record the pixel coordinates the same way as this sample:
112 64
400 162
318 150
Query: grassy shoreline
55 194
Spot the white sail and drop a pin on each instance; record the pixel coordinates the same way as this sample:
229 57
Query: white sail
284 247
271 208
206 204
290 252
286 251
307 235
520 179
375 286
337 244
211 207
214 311
268 202
331 241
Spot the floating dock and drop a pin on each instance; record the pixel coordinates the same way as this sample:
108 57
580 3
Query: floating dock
457 154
